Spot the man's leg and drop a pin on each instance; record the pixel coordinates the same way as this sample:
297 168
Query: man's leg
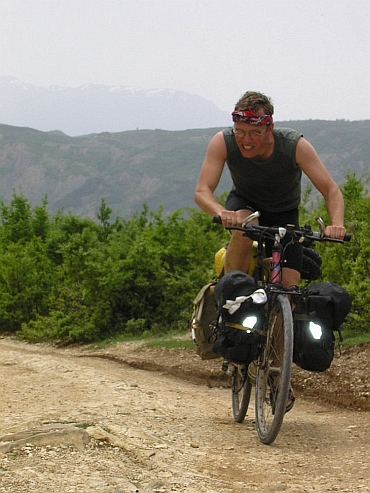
291 277
238 251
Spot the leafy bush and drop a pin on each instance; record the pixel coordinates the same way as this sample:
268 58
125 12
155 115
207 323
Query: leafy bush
71 279
349 264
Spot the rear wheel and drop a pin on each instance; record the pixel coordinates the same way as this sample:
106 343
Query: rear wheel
240 392
274 371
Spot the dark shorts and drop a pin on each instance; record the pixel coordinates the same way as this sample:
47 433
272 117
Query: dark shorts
293 253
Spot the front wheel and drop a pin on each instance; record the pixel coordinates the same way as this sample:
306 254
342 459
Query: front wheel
241 388
274 371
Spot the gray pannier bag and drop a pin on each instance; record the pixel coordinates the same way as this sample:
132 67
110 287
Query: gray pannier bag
204 321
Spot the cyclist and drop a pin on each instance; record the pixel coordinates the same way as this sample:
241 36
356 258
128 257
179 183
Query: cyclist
266 167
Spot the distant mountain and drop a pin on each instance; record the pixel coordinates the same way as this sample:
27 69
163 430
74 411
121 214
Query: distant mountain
97 108
157 167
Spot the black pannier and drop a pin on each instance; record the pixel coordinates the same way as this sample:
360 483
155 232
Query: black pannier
328 303
313 345
311 264
323 309
240 303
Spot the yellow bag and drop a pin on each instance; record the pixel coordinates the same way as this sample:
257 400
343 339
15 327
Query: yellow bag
220 259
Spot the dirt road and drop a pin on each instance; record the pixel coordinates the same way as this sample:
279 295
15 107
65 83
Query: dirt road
70 423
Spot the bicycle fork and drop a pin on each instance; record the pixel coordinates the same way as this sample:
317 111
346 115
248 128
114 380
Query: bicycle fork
276 268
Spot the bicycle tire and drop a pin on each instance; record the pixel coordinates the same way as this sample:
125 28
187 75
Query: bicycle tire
241 388
276 361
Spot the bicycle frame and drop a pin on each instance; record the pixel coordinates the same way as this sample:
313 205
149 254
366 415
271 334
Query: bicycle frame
275 352
275 268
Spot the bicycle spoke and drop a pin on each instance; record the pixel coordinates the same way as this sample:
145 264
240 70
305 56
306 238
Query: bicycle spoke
240 392
274 371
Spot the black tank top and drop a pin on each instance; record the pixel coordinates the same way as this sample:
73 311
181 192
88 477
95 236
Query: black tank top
273 185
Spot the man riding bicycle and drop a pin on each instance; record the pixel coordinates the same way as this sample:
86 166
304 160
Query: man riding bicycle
266 167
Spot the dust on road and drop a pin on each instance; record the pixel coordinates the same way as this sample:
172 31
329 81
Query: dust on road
71 423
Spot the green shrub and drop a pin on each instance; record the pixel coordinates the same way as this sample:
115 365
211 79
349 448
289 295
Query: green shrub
71 279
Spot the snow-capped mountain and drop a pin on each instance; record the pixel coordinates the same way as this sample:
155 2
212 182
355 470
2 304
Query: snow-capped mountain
98 108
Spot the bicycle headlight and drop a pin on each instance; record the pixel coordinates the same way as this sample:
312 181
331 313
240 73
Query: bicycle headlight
249 322
315 330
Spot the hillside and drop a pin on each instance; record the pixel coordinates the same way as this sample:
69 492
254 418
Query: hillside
151 166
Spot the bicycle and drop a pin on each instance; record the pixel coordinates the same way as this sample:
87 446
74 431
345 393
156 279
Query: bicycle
273 365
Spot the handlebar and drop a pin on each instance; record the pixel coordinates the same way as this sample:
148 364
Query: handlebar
255 232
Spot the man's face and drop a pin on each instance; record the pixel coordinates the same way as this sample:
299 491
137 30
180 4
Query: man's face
254 141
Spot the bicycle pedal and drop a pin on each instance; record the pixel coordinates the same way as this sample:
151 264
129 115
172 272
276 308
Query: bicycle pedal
225 368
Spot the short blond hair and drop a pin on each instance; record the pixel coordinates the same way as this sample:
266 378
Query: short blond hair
254 101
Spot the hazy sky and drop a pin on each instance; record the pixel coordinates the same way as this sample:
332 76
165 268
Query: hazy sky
312 57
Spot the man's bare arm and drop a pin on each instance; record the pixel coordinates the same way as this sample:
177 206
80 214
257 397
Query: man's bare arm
210 175
313 167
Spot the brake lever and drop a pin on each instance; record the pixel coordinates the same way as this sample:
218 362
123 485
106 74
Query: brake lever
250 218
321 224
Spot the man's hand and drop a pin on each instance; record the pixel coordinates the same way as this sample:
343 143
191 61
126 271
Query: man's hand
229 218
336 232
235 218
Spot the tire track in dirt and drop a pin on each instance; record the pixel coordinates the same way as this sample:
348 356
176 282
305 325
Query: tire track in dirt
162 433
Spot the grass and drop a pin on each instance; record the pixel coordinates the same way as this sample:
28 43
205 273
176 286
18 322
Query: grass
181 339
170 340
84 425
353 337
111 341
